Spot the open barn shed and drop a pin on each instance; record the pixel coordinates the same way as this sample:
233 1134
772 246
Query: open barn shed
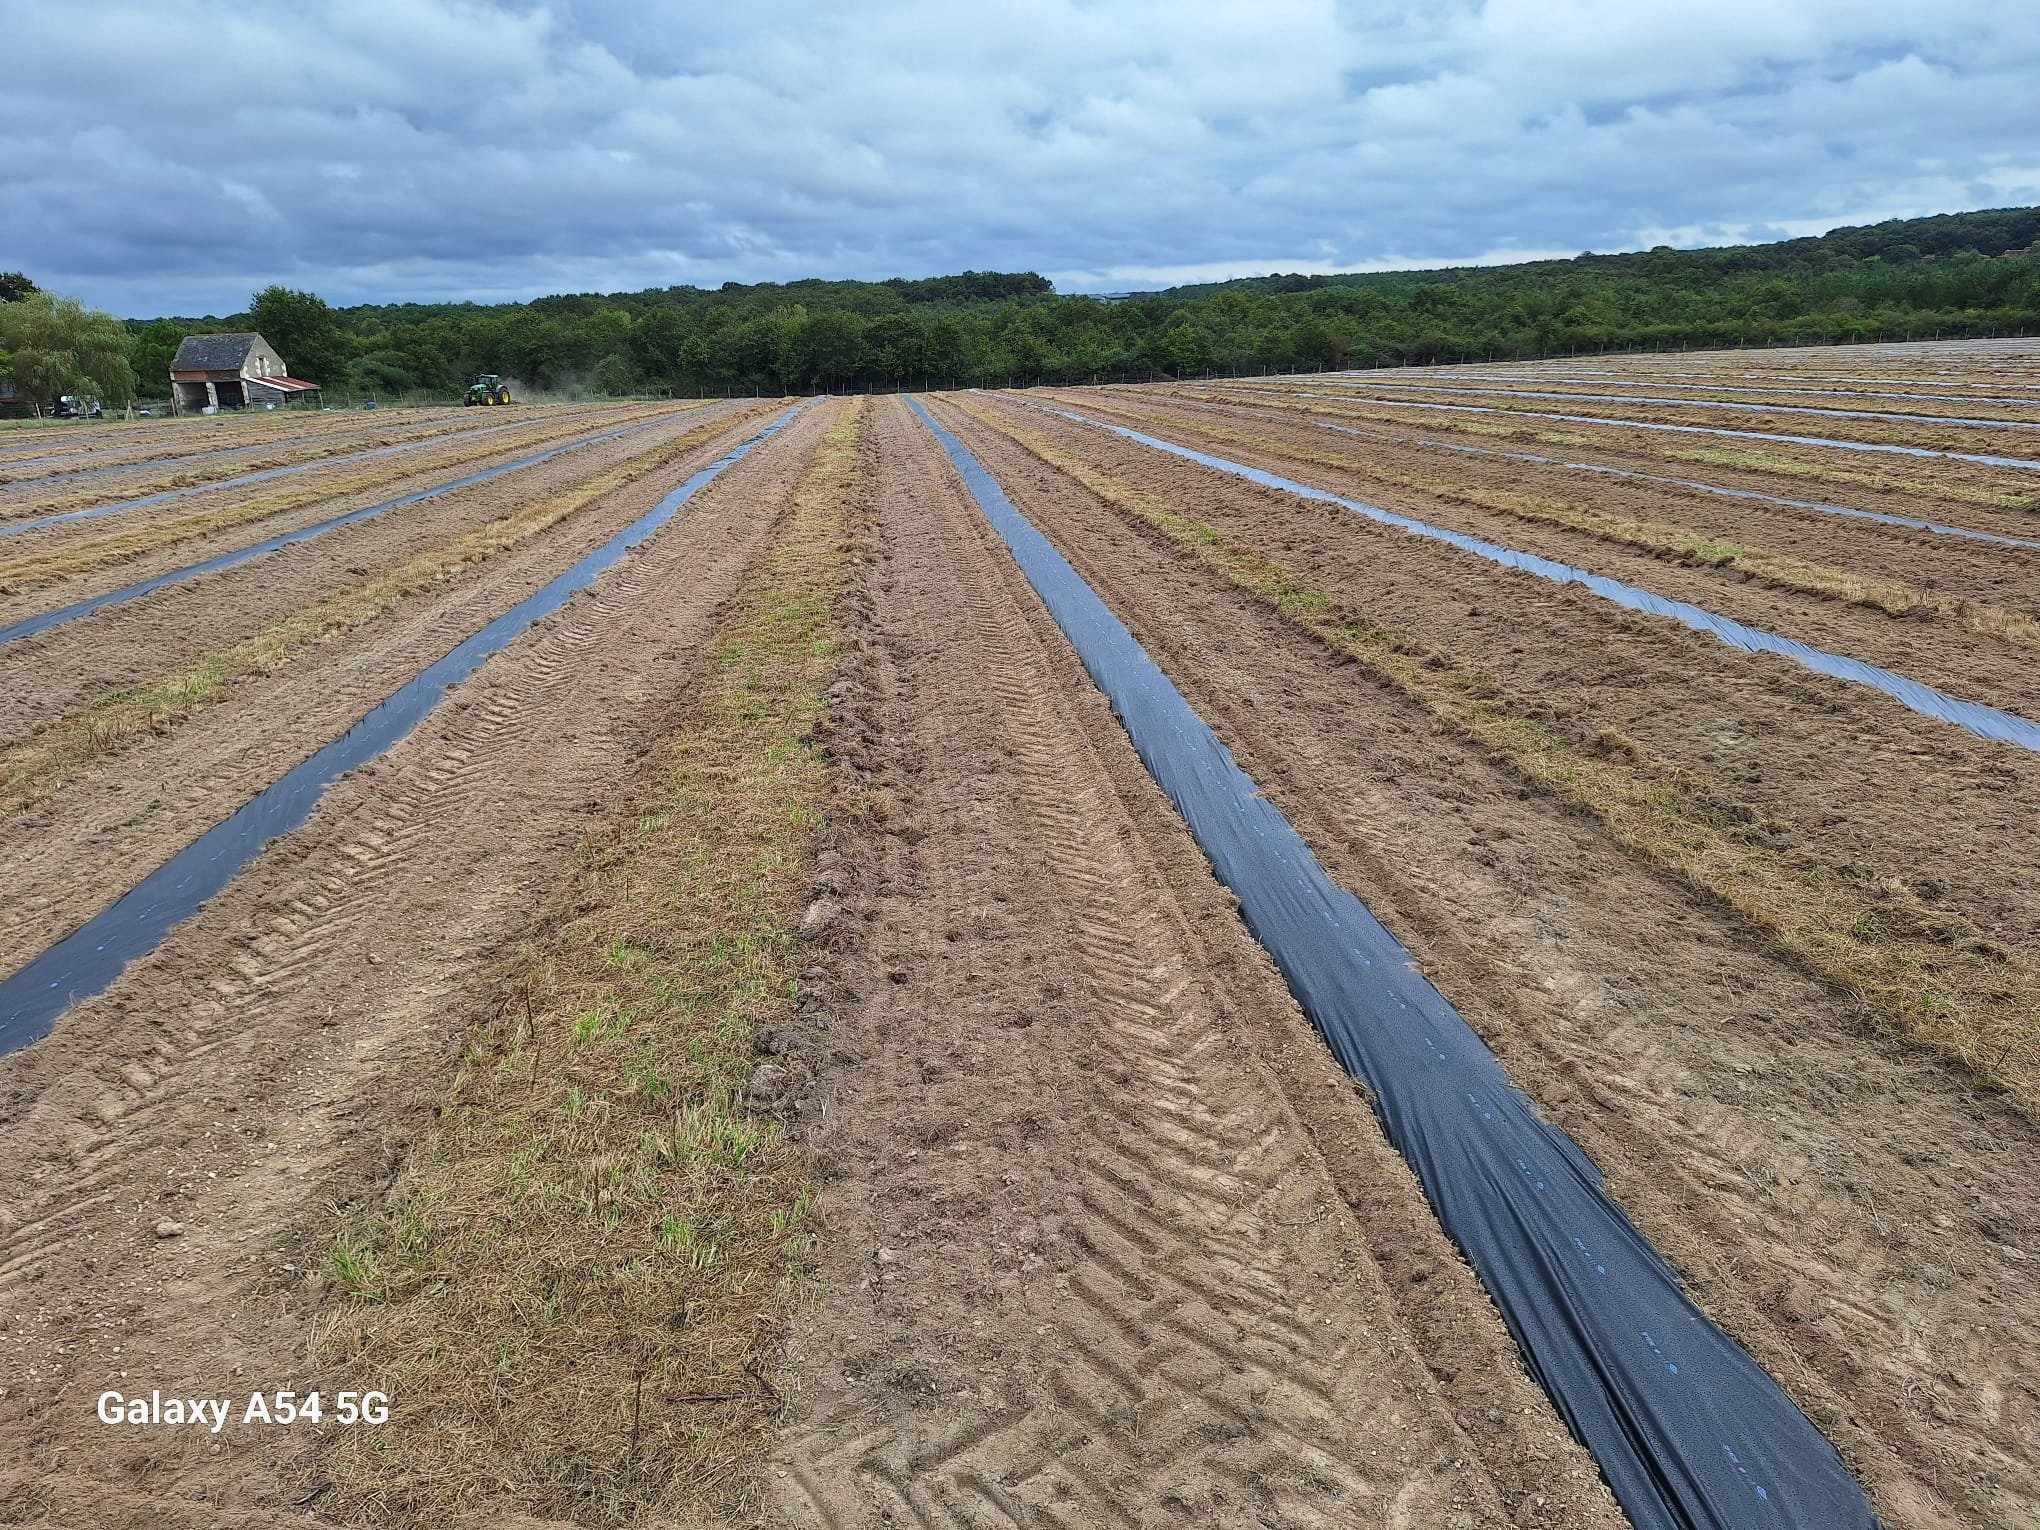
234 371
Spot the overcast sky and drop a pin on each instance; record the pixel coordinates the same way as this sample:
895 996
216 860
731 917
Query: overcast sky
438 149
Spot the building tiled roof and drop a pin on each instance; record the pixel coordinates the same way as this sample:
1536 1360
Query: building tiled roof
214 353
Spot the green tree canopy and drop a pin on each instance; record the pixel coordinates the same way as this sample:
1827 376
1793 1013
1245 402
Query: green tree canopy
1958 274
153 348
614 374
14 287
303 330
58 346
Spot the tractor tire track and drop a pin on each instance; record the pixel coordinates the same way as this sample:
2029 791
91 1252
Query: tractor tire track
1192 1332
1792 1167
75 852
122 644
272 1056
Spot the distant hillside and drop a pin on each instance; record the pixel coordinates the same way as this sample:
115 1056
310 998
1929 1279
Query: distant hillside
1901 241
1958 274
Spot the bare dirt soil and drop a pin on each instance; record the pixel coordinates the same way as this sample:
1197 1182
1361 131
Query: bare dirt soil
1889 423
71 854
1944 651
1908 797
1851 1210
1960 567
71 664
133 467
1827 470
1083 1225
272 1057
1110 1240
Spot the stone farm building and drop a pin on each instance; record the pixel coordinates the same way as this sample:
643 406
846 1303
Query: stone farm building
233 372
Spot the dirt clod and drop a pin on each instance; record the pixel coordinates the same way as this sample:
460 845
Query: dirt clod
821 917
767 1086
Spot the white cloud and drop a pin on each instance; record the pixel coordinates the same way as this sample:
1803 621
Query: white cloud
177 157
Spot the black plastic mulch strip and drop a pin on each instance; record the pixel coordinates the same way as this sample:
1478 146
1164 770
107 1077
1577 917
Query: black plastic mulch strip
1984 459
1994 723
1690 1432
87 961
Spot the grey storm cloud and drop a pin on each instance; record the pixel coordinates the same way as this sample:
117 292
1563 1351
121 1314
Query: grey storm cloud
174 158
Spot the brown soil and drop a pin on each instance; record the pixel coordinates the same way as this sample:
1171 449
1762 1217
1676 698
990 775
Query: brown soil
1110 1240
51 555
1106 1238
2009 441
1848 778
272 1058
1999 367
1703 392
1821 472
515 1307
1851 1210
124 441
73 664
119 470
1975 570
1942 652
71 854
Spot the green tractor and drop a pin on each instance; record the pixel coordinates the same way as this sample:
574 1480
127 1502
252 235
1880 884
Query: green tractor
487 389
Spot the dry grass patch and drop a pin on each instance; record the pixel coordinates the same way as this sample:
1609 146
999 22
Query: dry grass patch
294 441
1742 459
1912 488
1923 973
1662 539
580 1277
36 570
31 770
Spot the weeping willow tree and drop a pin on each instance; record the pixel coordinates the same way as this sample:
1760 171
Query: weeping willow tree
53 346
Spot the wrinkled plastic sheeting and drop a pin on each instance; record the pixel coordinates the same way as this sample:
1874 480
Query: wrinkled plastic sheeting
266 475
45 621
2024 464
1984 721
1995 539
1693 381
1653 401
1690 1432
221 454
87 961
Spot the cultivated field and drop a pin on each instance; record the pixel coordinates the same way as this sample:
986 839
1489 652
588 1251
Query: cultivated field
686 983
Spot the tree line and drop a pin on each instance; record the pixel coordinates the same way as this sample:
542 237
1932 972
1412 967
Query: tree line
1956 274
